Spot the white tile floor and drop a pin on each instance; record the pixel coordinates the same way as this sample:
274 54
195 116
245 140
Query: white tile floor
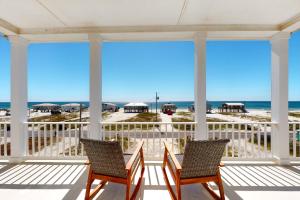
66 180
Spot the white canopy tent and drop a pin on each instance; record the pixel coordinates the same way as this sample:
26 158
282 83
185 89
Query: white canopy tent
95 21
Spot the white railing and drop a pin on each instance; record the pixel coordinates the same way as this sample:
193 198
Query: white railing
56 139
4 139
294 132
247 140
61 139
153 134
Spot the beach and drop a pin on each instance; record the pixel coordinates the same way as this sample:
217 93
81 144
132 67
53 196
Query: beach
252 115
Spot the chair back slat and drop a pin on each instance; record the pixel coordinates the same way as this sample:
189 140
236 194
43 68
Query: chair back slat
106 157
202 158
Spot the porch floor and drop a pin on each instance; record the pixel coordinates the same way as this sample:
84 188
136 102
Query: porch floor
66 180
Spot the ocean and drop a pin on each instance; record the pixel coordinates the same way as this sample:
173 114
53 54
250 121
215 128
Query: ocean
263 105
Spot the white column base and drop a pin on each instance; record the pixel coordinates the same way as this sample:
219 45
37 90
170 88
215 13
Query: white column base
16 160
282 161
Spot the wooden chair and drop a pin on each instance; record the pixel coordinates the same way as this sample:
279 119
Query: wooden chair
108 163
200 163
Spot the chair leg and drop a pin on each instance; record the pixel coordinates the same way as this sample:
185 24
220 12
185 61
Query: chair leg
178 189
173 196
220 185
128 188
138 185
89 184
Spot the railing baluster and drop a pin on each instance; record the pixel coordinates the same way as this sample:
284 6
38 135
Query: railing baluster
265 140
226 136
109 131
232 136
214 128
5 140
122 136
159 147
51 139
147 141
39 139
45 139
172 135
63 138
258 139
220 131
70 142
252 140
82 129
184 143
294 141
245 140
57 140
1 137
76 141
32 139
239 140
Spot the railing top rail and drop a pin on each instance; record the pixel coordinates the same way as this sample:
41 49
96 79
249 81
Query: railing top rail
4 122
243 123
57 123
107 123
294 122
154 123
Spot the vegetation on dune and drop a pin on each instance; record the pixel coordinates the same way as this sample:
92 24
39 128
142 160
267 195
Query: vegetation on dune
41 142
184 114
141 117
55 118
294 114
71 151
144 117
249 117
257 118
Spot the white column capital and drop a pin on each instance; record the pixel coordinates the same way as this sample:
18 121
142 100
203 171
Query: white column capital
15 39
95 37
281 36
200 36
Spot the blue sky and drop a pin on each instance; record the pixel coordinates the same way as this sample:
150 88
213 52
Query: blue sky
134 71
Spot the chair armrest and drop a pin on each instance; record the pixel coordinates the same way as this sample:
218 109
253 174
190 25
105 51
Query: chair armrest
173 157
134 155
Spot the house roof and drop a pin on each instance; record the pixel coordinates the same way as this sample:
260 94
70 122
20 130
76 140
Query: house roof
71 105
72 20
46 105
234 104
136 105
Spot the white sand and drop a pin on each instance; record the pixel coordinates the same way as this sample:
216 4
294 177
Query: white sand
119 116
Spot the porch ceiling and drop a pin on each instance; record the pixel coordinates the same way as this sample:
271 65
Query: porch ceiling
71 20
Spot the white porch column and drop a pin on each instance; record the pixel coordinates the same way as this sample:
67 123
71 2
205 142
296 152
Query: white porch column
18 98
280 132
200 86
95 108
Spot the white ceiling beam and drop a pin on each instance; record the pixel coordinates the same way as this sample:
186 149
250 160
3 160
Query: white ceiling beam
291 25
145 29
7 28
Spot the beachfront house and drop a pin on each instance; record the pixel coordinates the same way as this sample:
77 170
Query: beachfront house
168 108
136 108
261 161
71 107
232 107
46 107
110 107
191 108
